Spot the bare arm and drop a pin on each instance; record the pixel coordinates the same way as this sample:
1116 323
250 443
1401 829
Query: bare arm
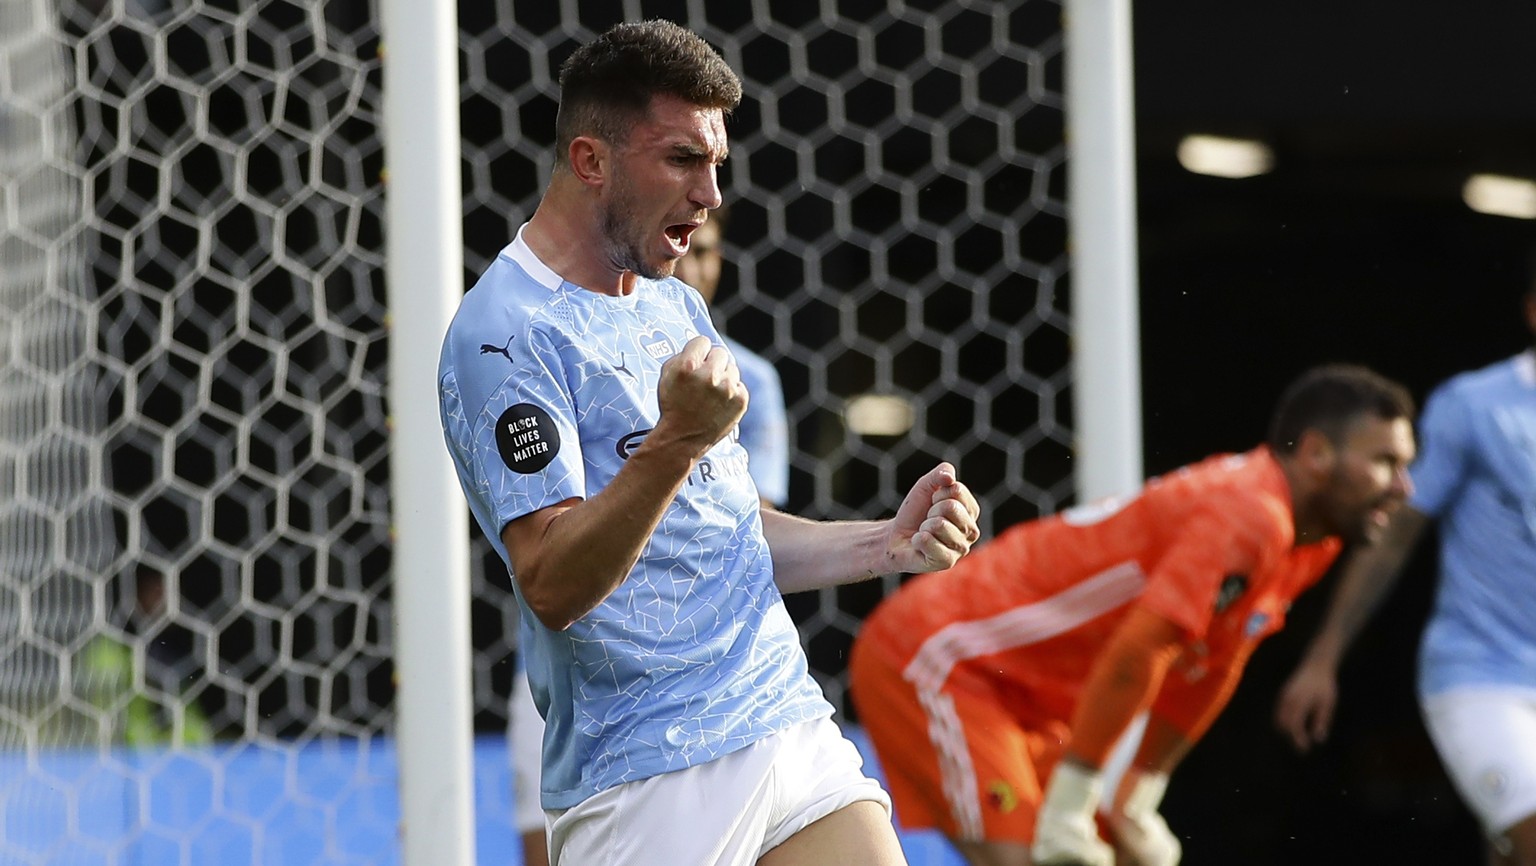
1124 680
1307 701
568 557
1370 574
1186 708
933 528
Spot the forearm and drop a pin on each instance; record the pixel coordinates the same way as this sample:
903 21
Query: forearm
568 562
934 526
1124 681
1185 709
809 554
1368 576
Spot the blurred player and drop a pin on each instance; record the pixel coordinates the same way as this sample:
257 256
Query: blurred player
1477 659
1027 661
525 733
764 429
764 433
590 411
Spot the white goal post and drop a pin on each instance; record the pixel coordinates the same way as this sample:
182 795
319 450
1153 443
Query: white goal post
1101 144
434 706
224 589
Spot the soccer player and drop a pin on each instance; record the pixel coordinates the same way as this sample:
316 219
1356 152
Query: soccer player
525 736
589 408
1477 657
993 692
763 432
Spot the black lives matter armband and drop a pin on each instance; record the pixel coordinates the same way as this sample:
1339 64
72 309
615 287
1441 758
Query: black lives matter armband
526 438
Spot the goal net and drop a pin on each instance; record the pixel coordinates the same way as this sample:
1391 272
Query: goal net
194 511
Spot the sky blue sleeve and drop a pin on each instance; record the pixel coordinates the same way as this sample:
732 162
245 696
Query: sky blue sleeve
1444 435
765 426
522 420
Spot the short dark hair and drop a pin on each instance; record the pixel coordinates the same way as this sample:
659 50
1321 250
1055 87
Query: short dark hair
1331 397
607 84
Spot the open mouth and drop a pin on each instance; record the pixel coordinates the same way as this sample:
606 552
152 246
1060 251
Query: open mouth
1381 515
677 237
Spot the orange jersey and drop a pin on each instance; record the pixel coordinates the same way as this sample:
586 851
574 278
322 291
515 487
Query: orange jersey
1210 547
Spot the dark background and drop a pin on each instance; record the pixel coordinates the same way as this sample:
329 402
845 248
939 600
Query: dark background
1356 248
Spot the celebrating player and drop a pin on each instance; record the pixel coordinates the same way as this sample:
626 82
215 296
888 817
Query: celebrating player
763 432
594 441
1477 660
993 692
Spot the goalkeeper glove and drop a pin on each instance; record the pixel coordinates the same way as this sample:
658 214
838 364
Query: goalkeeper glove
1141 834
1065 831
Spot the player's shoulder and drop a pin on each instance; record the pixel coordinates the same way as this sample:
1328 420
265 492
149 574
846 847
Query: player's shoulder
507 300
754 367
1226 473
1246 491
1492 382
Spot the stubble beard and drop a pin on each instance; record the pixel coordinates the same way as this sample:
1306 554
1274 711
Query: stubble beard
1355 525
622 236
1365 533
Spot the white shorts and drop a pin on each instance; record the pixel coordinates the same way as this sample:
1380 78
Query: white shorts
526 732
728 812
1486 737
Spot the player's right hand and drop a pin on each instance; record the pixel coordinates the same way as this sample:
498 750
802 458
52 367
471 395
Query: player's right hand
1066 832
1304 712
700 395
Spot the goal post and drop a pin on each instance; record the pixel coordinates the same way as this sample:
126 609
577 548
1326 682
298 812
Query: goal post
1102 189
217 559
431 554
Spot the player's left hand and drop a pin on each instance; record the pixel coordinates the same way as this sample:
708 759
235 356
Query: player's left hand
1142 837
935 525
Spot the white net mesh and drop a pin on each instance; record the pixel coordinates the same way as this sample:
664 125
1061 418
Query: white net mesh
193 482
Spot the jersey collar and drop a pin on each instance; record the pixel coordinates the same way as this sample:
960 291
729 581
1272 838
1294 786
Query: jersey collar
519 252
1525 367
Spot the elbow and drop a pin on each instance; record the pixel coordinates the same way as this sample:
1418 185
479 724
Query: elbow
1129 675
554 620
552 612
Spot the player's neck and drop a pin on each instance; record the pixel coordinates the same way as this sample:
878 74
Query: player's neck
1309 532
1310 528
567 240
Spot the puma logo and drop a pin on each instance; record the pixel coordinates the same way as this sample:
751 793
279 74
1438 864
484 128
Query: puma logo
504 351
623 367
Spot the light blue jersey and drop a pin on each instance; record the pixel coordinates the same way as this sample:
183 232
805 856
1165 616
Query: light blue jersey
1477 476
546 388
764 429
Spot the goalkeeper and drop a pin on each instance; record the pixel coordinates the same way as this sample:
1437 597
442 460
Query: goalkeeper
993 692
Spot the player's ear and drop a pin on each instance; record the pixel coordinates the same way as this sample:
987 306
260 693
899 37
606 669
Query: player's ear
589 159
1316 452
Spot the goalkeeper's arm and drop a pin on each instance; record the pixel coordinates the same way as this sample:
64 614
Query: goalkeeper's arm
1181 714
1304 712
1124 681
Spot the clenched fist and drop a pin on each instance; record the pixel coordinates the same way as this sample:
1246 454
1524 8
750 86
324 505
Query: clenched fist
700 395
